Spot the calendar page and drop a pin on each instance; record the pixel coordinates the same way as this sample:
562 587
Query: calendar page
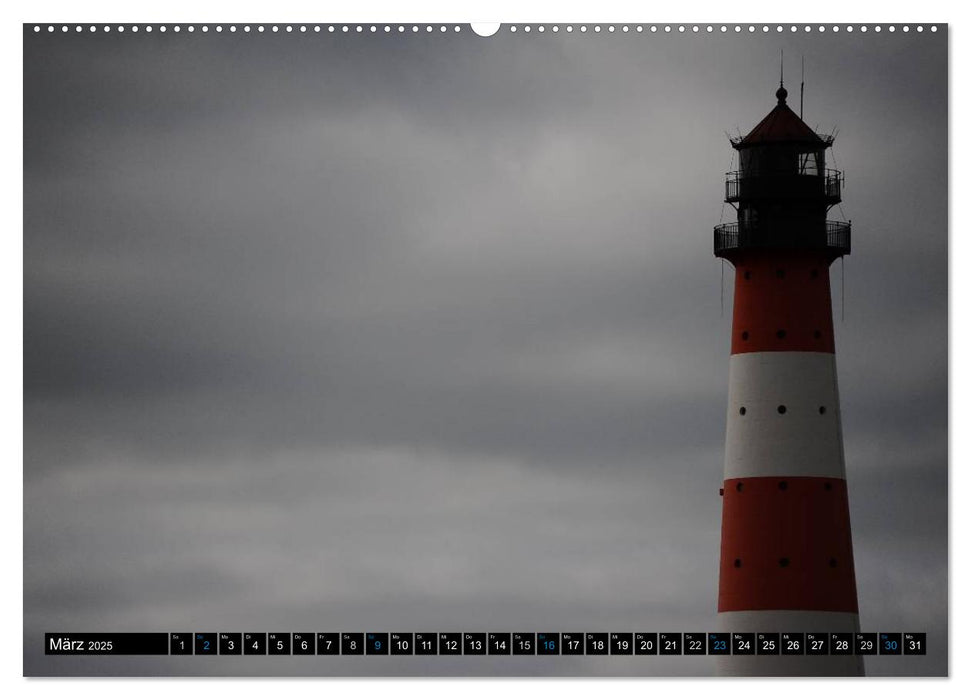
525 349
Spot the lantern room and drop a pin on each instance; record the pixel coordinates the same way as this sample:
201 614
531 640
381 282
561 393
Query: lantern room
783 190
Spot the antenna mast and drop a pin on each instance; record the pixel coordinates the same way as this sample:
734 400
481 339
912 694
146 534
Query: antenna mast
802 85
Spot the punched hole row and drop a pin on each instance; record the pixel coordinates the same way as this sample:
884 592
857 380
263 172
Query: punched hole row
610 29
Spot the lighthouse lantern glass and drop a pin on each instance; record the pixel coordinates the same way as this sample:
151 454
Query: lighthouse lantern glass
782 159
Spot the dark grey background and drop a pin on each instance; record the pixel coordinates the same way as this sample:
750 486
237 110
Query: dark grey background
423 332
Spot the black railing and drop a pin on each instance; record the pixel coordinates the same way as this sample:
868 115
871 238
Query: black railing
834 238
827 139
827 185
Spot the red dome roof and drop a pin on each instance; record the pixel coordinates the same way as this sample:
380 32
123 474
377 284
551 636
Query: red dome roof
781 124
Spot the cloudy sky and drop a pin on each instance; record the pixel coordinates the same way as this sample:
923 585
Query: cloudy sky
424 332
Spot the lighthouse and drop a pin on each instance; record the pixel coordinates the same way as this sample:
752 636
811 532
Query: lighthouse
786 563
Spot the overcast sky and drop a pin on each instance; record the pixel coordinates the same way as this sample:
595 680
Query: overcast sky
424 333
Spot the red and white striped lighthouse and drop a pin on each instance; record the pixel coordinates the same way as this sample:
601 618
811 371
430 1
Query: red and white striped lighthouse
786 551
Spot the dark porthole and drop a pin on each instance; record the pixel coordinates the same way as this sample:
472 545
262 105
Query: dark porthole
832 562
780 273
827 486
748 274
738 486
822 410
738 563
781 409
783 485
814 273
784 562
741 411
817 335
780 334
744 335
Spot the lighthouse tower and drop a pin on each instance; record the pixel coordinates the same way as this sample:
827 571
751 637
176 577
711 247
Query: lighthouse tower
786 553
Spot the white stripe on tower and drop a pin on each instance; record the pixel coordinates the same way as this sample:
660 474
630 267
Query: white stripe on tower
783 416
791 621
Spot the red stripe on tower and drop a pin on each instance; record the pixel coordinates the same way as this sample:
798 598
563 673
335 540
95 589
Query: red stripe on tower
782 303
786 550
786 546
